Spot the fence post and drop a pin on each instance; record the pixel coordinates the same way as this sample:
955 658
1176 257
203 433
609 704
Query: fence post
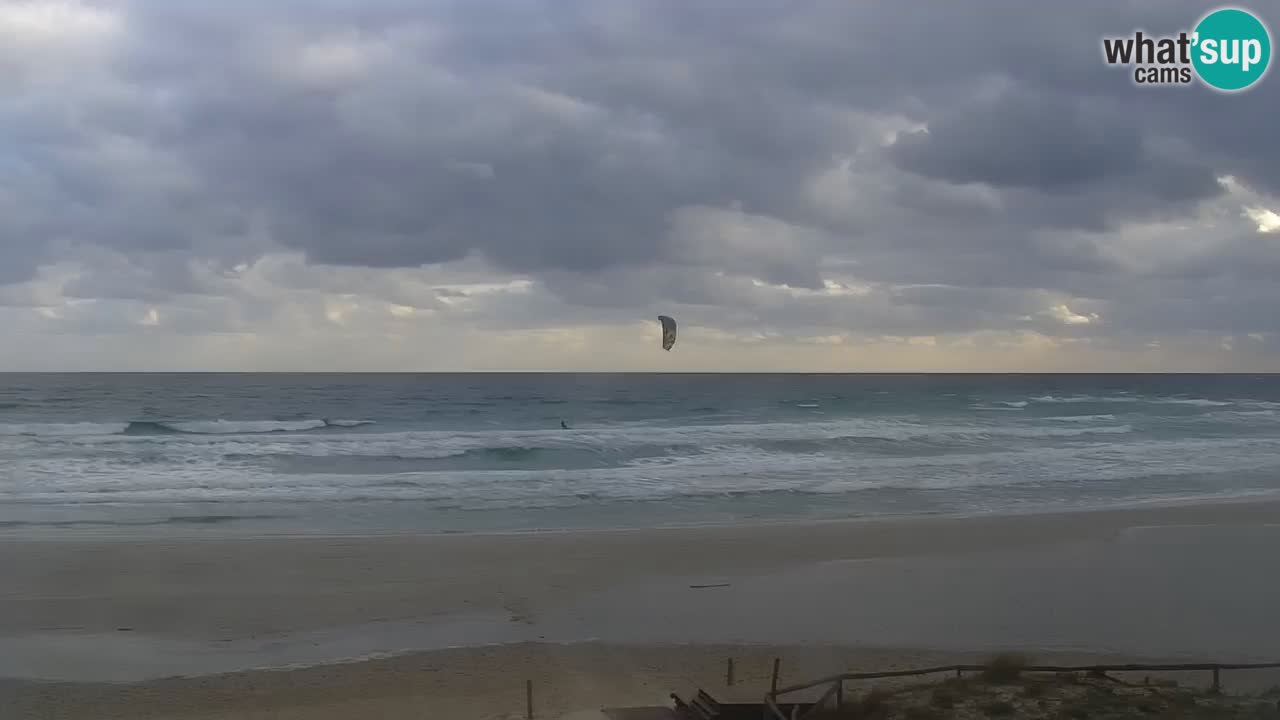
773 686
528 699
728 673
840 693
1217 684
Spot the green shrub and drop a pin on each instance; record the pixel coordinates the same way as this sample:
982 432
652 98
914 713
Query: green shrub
999 708
943 698
1004 668
922 712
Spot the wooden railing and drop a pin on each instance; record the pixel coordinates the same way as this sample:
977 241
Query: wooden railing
836 682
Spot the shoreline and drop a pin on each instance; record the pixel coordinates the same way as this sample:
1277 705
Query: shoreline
1270 498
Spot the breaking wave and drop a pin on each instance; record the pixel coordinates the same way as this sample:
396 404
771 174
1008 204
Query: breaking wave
479 453
1198 402
174 427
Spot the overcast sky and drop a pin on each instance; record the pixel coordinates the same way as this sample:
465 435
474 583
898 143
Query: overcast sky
527 184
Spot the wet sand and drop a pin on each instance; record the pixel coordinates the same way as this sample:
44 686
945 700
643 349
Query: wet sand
595 617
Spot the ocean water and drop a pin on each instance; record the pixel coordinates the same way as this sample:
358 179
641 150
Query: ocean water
288 454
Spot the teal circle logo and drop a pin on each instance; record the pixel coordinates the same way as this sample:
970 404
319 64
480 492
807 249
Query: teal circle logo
1232 49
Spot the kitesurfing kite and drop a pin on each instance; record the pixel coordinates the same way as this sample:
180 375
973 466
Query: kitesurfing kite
668 331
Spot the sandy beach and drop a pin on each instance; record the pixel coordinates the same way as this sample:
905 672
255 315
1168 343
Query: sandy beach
94 628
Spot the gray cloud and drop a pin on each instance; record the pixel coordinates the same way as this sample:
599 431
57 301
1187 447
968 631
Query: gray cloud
1034 141
632 155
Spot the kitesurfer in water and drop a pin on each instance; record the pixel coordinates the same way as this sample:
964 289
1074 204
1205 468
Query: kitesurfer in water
562 425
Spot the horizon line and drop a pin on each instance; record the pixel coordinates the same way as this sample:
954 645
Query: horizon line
643 372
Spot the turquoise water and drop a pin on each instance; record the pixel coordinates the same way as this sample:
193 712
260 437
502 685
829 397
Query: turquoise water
220 453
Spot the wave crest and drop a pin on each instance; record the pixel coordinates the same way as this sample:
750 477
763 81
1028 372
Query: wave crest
236 427
175 427
1197 402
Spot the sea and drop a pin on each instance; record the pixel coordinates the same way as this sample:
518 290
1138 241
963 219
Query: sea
369 454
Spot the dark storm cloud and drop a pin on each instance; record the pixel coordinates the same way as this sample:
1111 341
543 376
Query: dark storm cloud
623 152
1023 141
1062 162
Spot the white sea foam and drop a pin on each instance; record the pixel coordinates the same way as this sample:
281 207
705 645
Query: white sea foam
708 456
719 471
1200 402
62 429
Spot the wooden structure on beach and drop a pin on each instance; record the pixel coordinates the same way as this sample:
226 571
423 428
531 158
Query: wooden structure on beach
702 706
775 709
699 707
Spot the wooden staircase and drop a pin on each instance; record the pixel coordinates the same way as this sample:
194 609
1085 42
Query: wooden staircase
701 707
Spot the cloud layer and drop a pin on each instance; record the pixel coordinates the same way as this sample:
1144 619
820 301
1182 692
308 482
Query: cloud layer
524 185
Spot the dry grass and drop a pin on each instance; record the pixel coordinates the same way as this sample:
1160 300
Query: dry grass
1006 690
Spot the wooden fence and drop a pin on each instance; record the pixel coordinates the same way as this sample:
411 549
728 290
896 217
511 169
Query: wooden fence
836 682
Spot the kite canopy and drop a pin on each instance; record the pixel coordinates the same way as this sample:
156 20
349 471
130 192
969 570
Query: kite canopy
668 331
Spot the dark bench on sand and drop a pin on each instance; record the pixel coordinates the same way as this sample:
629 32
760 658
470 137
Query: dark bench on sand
704 707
